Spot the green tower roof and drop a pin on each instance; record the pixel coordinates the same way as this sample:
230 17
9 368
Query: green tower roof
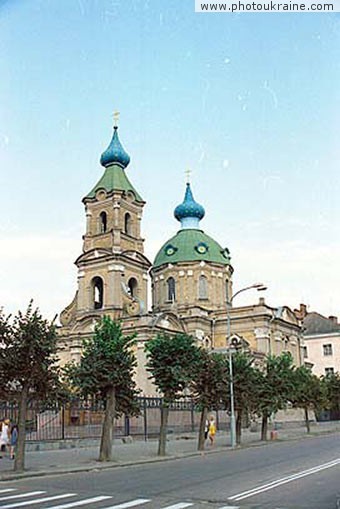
190 245
114 178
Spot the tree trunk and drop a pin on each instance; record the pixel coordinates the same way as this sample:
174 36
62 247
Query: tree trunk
238 427
201 437
105 453
264 426
19 463
307 420
163 428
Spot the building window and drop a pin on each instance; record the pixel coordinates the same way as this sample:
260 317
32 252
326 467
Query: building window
171 289
97 292
102 222
133 285
305 352
127 224
327 349
329 371
202 287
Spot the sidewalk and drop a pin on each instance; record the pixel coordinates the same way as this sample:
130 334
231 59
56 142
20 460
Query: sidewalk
48 462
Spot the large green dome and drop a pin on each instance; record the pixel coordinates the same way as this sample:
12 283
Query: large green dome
191 245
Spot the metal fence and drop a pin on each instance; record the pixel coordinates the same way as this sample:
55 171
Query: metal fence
80 419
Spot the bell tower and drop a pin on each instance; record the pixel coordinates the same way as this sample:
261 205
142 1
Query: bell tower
112 269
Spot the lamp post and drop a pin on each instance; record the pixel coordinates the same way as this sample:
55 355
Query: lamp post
259 287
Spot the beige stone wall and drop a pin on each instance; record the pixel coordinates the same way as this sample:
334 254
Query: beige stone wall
315 352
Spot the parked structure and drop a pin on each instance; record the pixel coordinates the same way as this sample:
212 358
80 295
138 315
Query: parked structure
191 278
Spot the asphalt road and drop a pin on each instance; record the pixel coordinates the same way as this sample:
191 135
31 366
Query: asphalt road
291 475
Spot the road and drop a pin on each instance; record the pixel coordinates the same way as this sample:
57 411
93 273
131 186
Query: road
290 475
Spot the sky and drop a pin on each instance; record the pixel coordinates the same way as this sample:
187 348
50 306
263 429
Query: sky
249 102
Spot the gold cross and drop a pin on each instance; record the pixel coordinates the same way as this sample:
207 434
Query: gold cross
116 118
188 173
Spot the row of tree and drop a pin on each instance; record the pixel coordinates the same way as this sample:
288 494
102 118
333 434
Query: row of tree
29 370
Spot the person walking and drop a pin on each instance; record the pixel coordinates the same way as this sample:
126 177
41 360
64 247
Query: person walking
4 435
212 430
13 441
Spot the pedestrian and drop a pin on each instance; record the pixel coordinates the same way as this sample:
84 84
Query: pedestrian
212 430
4 435
206 429
13 441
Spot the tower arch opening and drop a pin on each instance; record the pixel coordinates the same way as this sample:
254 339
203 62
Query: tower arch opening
127 224
97 292
102 222
133 286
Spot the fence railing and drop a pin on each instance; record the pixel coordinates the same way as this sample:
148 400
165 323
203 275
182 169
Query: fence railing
80 419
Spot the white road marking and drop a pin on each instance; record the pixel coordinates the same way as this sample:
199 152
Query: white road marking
38 500
125 505
7 490
180 505
229 507
23 495
284 480
80 502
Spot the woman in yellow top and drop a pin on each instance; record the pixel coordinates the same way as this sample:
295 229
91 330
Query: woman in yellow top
212 430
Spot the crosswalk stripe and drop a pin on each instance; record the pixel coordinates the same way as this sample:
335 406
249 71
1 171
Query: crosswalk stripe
181 505
80 502
229 507
7 490
23 495
132 503
38 500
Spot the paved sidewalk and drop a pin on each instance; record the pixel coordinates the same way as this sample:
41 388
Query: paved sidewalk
48 462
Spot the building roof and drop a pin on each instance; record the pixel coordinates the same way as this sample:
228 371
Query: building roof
115 153
190 245
114 178
314 323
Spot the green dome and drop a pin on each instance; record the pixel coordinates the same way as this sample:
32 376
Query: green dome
191 246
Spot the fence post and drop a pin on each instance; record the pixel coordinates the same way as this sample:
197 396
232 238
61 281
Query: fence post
63 422
126 425
145 420
192 416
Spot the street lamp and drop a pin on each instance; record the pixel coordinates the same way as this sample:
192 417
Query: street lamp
259 287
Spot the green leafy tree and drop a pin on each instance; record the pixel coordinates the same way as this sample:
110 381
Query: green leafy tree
331 386
210 386
106 371
274 385
308 392
28 366
171 361
244 380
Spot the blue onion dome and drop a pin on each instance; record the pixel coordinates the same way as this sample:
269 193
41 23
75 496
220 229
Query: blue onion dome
189 212
115 153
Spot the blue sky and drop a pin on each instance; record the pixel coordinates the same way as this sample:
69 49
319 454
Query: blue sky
249 102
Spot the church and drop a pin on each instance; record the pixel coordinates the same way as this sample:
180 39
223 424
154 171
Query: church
190 278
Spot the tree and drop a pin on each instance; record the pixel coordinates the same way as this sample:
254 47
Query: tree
331 385
171 360
28 365
308 392
210 387
244 380
106 371
274 386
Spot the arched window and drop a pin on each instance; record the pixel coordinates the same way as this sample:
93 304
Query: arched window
133 285
171 289
127 224
102 222
97 292
202 287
